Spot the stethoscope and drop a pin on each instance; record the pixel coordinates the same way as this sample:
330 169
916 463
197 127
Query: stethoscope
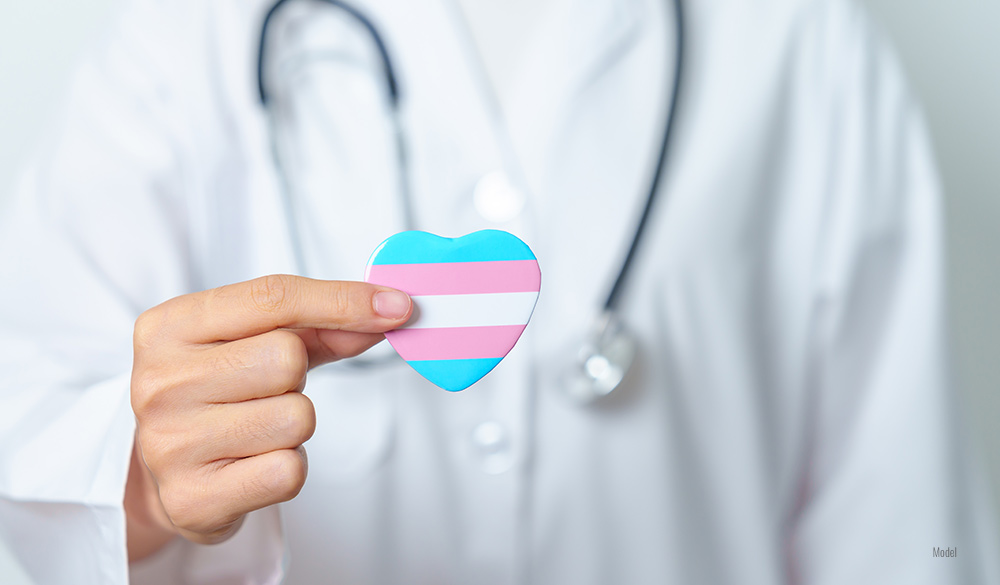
609 349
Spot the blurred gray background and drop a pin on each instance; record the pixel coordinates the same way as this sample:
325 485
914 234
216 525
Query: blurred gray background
951 51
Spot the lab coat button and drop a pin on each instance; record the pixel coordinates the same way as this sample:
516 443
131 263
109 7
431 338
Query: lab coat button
496 198
492 446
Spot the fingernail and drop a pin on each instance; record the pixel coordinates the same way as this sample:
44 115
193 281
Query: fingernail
392 304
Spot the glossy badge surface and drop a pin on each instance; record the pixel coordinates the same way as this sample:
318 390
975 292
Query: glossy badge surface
472 298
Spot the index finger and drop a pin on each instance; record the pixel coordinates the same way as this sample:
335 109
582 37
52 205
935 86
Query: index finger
263 304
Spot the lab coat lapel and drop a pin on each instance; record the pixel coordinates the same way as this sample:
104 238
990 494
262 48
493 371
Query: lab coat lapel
452 138
580 43
593 139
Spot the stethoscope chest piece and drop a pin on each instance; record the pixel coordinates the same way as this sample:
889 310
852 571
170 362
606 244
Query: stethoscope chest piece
602 361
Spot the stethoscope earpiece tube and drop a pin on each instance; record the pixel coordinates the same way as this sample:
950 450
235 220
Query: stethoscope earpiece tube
392 87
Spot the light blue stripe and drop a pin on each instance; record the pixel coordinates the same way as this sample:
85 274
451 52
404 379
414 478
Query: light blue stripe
454 375
415 247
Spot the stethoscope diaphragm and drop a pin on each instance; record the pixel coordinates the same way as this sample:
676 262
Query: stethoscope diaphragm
602 361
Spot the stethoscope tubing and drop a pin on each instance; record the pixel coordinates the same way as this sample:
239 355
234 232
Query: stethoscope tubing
608 316
611 303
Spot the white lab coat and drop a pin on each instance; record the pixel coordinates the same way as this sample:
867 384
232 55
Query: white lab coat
789 418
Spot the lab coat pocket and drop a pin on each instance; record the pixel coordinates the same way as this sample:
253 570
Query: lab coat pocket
355 419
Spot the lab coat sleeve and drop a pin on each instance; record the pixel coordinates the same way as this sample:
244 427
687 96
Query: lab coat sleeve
889 477
98 231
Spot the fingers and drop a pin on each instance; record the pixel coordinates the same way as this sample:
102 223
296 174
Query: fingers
244 429
209 508
279 301
265 365
327 345
268 364
216 377
228 460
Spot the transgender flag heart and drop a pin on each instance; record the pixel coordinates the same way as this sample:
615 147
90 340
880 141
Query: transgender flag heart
472 298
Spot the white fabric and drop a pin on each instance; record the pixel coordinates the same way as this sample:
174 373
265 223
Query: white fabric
504 33
789 418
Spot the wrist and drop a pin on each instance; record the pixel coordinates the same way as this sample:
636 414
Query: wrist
148 528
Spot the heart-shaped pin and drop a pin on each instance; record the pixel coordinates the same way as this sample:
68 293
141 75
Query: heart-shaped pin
472 298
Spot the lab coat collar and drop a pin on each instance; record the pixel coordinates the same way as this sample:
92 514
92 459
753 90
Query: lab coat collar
577 45
585 42
572 47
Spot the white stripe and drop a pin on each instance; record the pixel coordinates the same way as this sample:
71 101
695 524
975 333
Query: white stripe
471 310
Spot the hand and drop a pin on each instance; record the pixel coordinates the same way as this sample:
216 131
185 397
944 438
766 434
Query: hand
216 389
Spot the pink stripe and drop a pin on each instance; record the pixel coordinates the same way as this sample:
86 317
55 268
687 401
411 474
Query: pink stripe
455 343
458 278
